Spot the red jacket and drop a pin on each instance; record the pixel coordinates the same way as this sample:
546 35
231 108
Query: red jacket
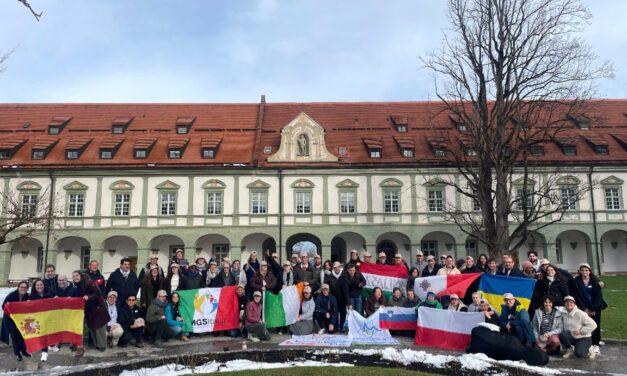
253 312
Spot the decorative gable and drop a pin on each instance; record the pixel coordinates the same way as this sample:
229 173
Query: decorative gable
75 186
347 183
168 185
391 183
258 184
302 183
521 181
121 185
302 140
435 182
612 180
214 184
568 180
28 186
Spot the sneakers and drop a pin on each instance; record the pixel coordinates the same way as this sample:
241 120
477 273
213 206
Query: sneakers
184 339
568 354
19 357
80 351
601 343
321 331
252 339
593 351
53 348
44 356
139 344
597 349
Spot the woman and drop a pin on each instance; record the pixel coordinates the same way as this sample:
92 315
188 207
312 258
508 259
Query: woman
374 301
555 285
305 323
20 294
254 324
179 258
173 279
397 299
250 269
547 325
456 304
38 291
235 270
152 283
413 274
482 262
354 258
96 313
431 301
174 319
589 297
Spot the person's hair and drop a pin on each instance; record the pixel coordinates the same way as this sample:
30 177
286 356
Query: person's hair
484 256
125 259
410 290
84 281
324 264
50 266
172 298
476 293
23 283
395 289
530 252
33 290
459 263
375 290
162 292
549 297
92 261
350 265
491 259
413 269
132 296
148 276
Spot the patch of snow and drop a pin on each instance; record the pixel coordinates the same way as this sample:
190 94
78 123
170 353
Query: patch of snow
4 291
475 362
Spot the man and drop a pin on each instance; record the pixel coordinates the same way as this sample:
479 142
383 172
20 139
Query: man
192 278
493 268
64 288
514 320
130 318
294 260
442 261
420 262
242 301
535 261
351 284
382 258
470 266
304 260
157 326
93 272
509 269
317 265
326 311
431 269
255 326
305 273
398 260
449 268
367 258
154 260
578 328
123 281
114 329
332 278
263 280
50 280
411 301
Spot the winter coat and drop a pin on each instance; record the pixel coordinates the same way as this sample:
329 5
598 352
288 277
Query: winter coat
308 275
154 313
556 327
170 317
518 318
125 287
8 326
257 282
393 302
578 320
222 279
96 312
128 315
474 269
68 292
167 284
326 304
557 289
596 303
253 312
149 291
307 308
146 270
350 287
372 304
98 279
447 271
435 304
191 281
426 273
411 303
515 272
50 286
332 281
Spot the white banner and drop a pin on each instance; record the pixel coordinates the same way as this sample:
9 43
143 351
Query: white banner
366 330
318 340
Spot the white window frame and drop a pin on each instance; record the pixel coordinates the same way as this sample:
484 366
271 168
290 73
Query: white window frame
391 201
167 203
214 202
303 201
520 191
76 204
612 201
568 196
435 204
259 202
29 204
121 204
348 202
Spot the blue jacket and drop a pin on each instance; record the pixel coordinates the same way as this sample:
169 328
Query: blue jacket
326 304
518 319
169 317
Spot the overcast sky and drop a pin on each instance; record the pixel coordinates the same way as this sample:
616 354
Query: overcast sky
235 51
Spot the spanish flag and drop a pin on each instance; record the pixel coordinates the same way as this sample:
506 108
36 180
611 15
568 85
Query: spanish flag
46 322
492 287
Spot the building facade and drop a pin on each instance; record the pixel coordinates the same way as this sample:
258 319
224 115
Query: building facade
213 179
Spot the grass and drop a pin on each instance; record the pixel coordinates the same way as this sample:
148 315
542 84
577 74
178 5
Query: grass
329 371
613 323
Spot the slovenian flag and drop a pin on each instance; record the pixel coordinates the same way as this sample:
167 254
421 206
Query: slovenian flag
397 318
492 287
444 285
282 309
384 276
47 322
446 329
209 309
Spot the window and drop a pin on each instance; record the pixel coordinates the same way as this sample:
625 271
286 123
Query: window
39 154
122 204
439 152
436 201
537 150
570 150
462 127
303 202
85 257
40 259
5 154
29 205
174 153
259 202
347 202
375 153
140 153
53 130
117 129
558 251
401 128
391 200
602 149
429 248
214 203
470 152
106 154
209 153
220 251
612 198
76 205
523 198
72 154
569 198
471 248
168 203
408 153
182 130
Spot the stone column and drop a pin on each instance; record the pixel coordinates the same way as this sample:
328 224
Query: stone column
5 264
325 252
97 254
143 255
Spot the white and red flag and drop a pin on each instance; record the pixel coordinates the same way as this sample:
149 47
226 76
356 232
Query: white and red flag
443 285
446 329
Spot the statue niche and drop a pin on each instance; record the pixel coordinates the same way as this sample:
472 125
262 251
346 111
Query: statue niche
303 145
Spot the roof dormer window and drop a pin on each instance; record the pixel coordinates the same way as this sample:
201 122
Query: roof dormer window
57 124
72 154
408 153
182 129
438 146
374 146
374 153
141 153
208 153
39 154
175 153
118 129
106 154
569 150
439 152
581 122
76 147
120 124
401 128
602 149
184 124
400 122
8 147
54 130
209 147
537 150
5 154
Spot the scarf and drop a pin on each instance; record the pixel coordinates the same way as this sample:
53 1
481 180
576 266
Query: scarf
125 274
159 303
288 278
550 279
336 275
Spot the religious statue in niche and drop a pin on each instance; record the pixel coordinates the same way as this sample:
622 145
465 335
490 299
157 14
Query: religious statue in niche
303 145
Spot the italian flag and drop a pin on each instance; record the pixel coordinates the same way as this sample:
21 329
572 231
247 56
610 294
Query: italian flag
209 309
444 285
387 277
282 309
46 322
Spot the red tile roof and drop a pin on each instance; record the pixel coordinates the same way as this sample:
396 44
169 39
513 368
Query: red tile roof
111 143
240 130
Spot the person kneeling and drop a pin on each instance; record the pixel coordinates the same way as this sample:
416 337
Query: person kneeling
114 329
255 326
547 325
514 320
174 319
130 317
305 324
326 312
578 328
156 319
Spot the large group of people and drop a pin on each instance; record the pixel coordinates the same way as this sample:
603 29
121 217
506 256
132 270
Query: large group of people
564 315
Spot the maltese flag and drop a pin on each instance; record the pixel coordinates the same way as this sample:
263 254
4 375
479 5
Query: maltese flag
444 285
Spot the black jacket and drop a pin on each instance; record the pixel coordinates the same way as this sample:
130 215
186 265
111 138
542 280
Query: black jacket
426 273
127 315
191 282
98 279
514 273
558 289
351 287
125 287
50 286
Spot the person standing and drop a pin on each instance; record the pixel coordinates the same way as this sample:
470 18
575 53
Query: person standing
123 281
449 268
420 262
509 269
173 279
152 282
50 280
589 298
20 294
153 262
431 269
96 312
93 272
351 284
38 292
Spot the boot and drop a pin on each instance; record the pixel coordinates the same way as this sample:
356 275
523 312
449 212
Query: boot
44 356
184 339
80 351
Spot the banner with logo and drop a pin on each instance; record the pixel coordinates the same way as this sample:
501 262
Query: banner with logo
209 309
366 331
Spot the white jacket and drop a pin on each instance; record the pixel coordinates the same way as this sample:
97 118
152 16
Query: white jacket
578 320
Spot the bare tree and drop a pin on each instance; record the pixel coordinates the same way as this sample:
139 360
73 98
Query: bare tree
513 75
35 14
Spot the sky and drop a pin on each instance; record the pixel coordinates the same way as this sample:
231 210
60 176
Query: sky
235 51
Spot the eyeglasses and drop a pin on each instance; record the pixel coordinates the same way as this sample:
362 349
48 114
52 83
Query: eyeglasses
131 300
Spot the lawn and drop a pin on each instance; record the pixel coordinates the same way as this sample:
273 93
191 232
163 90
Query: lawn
329 371
613 322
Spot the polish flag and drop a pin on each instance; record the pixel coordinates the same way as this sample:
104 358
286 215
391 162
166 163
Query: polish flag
446 329
444 285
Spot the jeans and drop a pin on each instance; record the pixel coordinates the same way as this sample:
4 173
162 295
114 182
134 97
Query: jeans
582 345
178 330
233 333
358 304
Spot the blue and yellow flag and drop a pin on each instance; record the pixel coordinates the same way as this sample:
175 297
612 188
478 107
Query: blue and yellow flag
492 288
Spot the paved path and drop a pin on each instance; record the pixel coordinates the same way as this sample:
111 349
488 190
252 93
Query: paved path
613 359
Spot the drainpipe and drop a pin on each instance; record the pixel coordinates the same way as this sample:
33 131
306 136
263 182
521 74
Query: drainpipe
50 211
281 216
594 221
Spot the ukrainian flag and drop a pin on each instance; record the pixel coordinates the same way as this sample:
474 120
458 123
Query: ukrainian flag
492 288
